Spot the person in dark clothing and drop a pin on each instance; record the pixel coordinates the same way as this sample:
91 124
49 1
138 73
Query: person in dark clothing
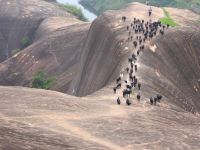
139 86
159 97
127 69
118 101
128 102
118 79
115 90
162 32
155 100
132 66
127 28
119 85
151 100
130 60
135 44
124 18
138 52
131 38
150 12
128 87
167 26
138 96
135 68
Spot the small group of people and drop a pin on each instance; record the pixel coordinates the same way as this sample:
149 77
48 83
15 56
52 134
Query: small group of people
155 99
142 31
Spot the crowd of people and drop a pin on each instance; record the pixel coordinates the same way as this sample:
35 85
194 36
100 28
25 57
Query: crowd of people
139 31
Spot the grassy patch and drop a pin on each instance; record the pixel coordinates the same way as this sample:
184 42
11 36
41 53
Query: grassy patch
76 11
25 41
167 20
41 81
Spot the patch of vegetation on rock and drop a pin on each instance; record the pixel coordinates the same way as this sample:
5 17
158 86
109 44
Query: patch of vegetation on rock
167 20
25 41
42 81
76 11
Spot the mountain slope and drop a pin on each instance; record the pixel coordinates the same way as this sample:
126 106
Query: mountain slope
105 56
43 120
19 21
84 60
52 50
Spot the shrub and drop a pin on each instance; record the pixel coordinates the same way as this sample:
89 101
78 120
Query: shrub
41 81
25 41
76 11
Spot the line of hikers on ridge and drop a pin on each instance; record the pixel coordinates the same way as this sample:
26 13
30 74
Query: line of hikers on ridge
143 31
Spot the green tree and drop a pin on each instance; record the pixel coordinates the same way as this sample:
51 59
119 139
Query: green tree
41 81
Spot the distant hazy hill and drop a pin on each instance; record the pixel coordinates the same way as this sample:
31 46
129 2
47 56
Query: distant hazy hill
99 6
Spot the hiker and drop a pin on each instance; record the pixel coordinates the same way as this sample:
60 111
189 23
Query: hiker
167 26
128 102
163 27
159 97
138 52
130 60
138 96
135 44
161 32
139 86
132 84
118 101
151 100
126 93
124 18
135 68
119 85
128 87
127 28
132 66
150 11
131 78
118 80
133 56
115 90
127 69
131 71
131 38
155 100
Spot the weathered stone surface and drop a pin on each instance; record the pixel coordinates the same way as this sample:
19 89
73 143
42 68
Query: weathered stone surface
39 119
21 18
85 59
